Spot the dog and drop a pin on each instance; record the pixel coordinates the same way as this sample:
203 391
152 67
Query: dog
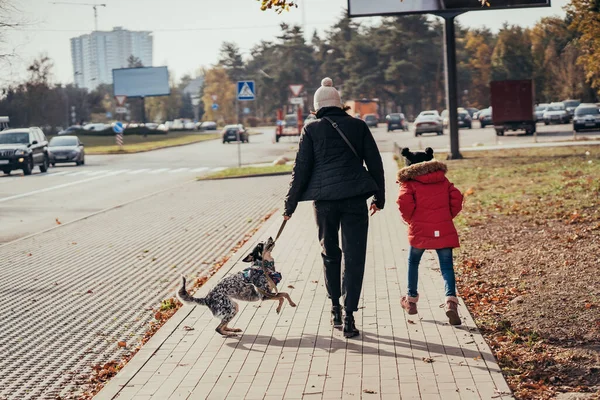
251 284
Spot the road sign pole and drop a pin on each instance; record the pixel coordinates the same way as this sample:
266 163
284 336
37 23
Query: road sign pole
451 90
239 142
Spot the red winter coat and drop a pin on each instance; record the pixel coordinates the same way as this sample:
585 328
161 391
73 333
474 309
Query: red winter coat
428 202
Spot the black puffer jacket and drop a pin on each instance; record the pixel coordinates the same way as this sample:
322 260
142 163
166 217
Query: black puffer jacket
327 169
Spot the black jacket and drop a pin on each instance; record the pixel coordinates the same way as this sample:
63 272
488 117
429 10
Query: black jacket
327 169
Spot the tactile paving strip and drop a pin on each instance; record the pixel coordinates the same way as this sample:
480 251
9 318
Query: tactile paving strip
69 295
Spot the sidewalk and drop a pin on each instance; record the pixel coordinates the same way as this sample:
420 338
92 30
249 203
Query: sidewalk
297 354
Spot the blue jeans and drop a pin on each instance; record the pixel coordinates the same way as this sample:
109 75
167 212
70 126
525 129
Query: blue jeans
446 267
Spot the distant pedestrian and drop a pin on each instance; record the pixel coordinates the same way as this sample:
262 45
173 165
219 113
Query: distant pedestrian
329 170
429 202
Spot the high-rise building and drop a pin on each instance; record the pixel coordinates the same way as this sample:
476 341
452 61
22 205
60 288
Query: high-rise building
95 55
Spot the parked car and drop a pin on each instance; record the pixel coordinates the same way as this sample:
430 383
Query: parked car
310 118
208 126
485 117
23 149
371 120
570 106
556 114
230 133
539 111
428 121
396 121
66 149
290 121
586 116
472 111
71 130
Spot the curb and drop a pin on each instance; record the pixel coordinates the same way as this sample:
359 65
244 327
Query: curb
245 176
160 148
114 386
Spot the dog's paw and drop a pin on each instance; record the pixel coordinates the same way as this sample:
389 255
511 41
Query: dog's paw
292 304
235 330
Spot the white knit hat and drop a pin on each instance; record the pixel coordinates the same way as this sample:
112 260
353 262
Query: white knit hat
327 96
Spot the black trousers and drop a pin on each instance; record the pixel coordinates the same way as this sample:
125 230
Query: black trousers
352 216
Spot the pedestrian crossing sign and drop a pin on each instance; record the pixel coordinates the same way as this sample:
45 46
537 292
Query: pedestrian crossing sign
245 90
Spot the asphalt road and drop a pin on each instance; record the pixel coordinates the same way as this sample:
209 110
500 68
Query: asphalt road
66 193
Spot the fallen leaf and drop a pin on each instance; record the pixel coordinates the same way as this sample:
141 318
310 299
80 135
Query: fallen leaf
188 328
89 291
122 344
29 255
369 391
315 281
469 191
58 222
428 360
291 287
410 321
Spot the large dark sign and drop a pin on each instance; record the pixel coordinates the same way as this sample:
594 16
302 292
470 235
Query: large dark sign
365 8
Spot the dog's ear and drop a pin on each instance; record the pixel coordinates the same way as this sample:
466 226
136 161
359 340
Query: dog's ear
249 258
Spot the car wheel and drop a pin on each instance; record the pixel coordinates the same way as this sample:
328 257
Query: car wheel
277 138
28 168
499 132
546 123
44 166
53 164
83 160
416 134
6 171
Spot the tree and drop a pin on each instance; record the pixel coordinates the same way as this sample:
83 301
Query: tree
217 82
134 62
511 58
479 50
230 58
585 21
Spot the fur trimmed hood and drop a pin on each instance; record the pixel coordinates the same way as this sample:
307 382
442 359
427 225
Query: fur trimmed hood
419 169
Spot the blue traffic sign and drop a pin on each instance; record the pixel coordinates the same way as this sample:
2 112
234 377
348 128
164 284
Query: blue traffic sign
118 127
245 90
215 106
246 110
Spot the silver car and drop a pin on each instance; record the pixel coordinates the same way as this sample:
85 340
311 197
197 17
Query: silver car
556 114
427 122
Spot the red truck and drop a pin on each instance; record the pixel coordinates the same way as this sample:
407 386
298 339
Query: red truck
513 106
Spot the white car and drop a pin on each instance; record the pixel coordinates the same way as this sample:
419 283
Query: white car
94 127
428 121
556 114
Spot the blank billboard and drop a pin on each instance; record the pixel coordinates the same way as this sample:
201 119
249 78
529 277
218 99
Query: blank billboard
141 82
365 8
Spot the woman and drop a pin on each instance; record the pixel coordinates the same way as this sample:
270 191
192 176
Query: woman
330 171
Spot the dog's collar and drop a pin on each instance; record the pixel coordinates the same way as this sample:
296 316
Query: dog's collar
265 264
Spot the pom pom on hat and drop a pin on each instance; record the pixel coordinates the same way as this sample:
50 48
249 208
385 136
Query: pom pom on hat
327 82
327 95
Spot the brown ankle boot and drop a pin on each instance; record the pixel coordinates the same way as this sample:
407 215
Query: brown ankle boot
452 310
409 304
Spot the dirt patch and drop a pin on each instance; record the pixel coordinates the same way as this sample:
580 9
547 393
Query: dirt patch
529 266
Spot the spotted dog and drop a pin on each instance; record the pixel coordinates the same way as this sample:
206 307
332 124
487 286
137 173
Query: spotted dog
250 284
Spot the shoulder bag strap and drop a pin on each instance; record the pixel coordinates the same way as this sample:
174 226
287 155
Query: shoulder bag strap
343 137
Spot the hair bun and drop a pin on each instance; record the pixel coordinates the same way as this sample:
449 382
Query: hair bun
405 151
327 82
429 150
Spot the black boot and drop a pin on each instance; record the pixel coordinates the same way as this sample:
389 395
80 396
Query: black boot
349 327
336 316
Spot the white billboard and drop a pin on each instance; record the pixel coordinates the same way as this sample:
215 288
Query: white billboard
365 8
141 82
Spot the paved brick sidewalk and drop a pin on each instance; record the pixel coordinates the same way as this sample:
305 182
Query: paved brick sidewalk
297 354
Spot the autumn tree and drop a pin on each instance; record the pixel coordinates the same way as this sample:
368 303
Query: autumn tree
511 58
585 21
218 83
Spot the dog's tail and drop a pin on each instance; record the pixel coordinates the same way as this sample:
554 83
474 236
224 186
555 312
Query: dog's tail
185 298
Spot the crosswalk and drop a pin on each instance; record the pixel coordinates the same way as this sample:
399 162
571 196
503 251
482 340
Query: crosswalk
83 172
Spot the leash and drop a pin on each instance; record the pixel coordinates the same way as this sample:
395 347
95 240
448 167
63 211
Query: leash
281 229
272 285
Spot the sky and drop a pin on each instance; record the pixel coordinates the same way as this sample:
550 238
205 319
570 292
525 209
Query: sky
187 33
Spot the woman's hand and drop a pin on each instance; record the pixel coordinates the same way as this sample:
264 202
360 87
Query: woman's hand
373 209
287 217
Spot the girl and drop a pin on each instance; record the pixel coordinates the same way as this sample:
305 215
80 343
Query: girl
428 203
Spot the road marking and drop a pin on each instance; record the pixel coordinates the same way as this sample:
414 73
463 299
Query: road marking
138 171
178 170
200 169
59 173
79 173
51 188
94 173
218 169
158 171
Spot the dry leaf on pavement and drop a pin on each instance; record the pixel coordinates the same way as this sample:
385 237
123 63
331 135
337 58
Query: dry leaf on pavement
122 344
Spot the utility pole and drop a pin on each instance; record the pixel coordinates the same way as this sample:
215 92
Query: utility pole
94 6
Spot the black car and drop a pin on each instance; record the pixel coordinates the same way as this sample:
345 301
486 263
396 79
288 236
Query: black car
371 120
587 116
464 119
66 149
570 106
396 121
23 149
231 133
